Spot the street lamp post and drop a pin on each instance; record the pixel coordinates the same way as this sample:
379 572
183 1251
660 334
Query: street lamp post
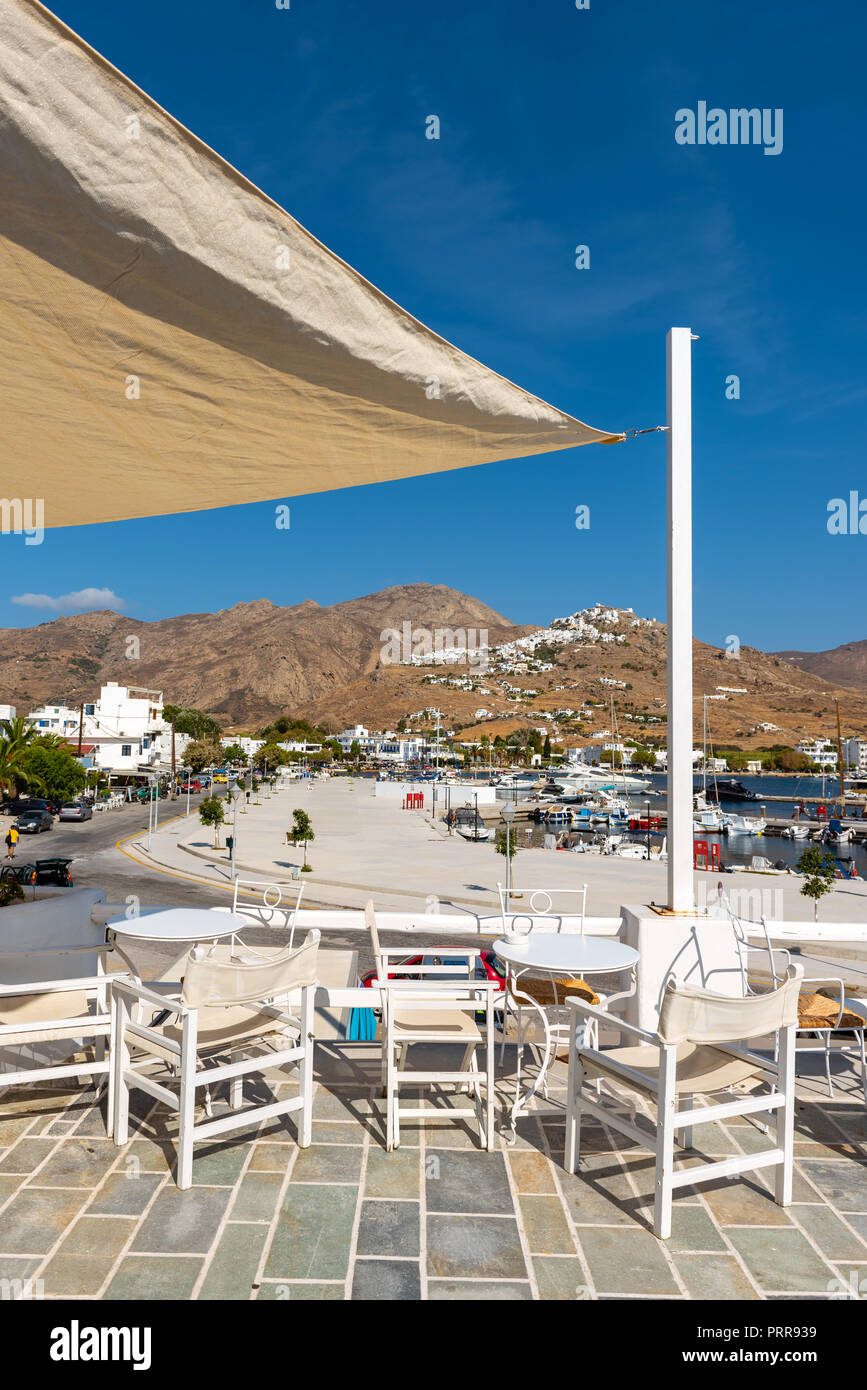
508 814
236 797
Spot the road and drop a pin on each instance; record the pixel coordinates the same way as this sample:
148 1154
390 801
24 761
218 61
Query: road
97 864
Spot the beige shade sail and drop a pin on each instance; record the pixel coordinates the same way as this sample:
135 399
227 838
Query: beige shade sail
172 340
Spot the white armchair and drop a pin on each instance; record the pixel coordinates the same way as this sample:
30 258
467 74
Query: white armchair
693 1053
233 1001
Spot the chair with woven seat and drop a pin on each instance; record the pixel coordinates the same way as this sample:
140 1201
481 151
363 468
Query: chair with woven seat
698 1050
825 1009
442 1008
232 1000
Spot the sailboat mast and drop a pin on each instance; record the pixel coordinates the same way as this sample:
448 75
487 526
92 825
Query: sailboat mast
840 759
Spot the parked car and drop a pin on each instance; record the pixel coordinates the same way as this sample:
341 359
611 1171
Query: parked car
76 810
35 821
17 806
53 871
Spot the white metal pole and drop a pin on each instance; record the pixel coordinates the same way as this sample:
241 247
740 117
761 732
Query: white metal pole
681 897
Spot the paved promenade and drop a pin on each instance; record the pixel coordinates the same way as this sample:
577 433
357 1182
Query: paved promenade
367 846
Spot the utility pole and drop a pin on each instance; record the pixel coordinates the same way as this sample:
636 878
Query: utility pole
173 750
80 726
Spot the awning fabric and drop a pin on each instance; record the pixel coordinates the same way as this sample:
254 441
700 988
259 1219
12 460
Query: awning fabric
172 340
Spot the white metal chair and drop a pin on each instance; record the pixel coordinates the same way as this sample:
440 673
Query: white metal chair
825 1009
268 904
233 1000
549 992
692 1054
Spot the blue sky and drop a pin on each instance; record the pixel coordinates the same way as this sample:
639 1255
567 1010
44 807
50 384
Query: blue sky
557 129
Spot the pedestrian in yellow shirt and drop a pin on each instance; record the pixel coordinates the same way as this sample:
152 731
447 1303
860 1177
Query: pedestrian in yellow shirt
12 838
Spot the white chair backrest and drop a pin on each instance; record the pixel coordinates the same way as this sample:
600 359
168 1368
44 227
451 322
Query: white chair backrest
571 902
272 904
696 1015
209 979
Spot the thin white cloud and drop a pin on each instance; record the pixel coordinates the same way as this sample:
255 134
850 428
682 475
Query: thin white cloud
79 601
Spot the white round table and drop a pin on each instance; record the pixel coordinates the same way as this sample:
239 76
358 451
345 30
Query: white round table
172 924
555 953
558 953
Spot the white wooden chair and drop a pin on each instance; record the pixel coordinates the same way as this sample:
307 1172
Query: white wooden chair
73 1011
233 1000
441 1008
693 1053
268 904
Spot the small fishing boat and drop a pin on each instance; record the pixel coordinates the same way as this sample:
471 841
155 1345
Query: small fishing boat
796 832
746 825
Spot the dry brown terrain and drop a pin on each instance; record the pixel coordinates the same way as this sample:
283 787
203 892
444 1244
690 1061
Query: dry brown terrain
252 662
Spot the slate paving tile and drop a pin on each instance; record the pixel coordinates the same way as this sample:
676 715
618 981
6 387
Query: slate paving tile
9 1183
693 1229
531 1172
389 1280
842 1183
77 1163
234 1263
125 1193
545 1226
26 1156
19 1267
561 1279
12 1127
35 1219
781 1260
218 1165
182 1222
342 1105
76 1276
98 1235
482 1247
626 1261
713 1276
256 1197
392 1174
833 1238
467 1182
269 1157
389 1228
293 1292
150 1155
153 1279
743 1203
477 1291
329 1163
336 1132
599 1193
313 1233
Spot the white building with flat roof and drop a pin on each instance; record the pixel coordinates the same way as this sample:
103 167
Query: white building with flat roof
855 756
123 731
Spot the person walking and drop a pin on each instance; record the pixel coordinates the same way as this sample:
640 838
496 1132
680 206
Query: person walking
12 838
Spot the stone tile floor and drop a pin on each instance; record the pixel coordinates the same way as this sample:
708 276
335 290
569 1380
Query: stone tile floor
438 1219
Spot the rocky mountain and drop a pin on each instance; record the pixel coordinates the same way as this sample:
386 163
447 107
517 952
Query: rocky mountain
846 665
333 666
245 664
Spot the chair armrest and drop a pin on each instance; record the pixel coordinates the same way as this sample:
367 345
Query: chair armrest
56 986
141 994
841 996
603 1016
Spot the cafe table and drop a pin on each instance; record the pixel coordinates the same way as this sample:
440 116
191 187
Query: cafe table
556 954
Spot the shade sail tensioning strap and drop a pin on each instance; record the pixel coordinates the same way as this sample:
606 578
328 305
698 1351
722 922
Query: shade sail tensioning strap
173 340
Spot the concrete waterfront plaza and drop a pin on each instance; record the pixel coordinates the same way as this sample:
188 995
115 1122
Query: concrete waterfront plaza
367 845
